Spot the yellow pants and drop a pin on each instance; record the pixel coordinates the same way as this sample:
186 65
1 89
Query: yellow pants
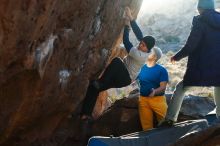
150 105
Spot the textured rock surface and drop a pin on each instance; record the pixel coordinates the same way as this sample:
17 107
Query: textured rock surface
49 51
124 119
195 106
101 105
208 137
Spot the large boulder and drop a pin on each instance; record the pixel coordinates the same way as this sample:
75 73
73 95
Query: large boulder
195 106
122 118
208 137
50 50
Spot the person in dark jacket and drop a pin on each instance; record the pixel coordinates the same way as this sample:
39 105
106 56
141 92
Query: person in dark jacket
119 73
203 51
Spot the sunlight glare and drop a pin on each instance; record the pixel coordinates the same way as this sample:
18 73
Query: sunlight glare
165 6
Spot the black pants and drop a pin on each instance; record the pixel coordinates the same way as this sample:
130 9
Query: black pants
115 76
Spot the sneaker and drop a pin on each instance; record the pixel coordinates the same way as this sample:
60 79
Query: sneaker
166 123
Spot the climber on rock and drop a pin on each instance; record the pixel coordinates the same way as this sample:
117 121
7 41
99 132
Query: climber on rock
203 51
153 79
120 72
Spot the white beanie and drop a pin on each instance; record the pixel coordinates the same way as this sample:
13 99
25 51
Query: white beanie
157 52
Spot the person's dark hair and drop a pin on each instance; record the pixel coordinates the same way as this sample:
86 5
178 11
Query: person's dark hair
149 42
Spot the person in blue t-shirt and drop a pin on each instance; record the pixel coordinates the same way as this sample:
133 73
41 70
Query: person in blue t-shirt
153 79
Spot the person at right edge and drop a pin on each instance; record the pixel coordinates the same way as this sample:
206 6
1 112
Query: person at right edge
203 51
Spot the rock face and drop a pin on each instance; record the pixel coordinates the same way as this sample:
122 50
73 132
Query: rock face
208 137
125 119
195 106
49 51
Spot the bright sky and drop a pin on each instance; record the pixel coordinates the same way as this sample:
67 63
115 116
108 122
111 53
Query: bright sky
164 6
153 5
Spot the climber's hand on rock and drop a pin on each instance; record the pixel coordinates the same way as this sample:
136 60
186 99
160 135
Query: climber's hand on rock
128 13
127 22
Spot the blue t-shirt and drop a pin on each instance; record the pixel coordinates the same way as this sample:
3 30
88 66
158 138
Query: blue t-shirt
150 77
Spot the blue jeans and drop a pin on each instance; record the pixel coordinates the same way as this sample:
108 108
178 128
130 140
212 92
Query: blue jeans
177 99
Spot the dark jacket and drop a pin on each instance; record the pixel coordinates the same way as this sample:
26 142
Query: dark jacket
203 50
